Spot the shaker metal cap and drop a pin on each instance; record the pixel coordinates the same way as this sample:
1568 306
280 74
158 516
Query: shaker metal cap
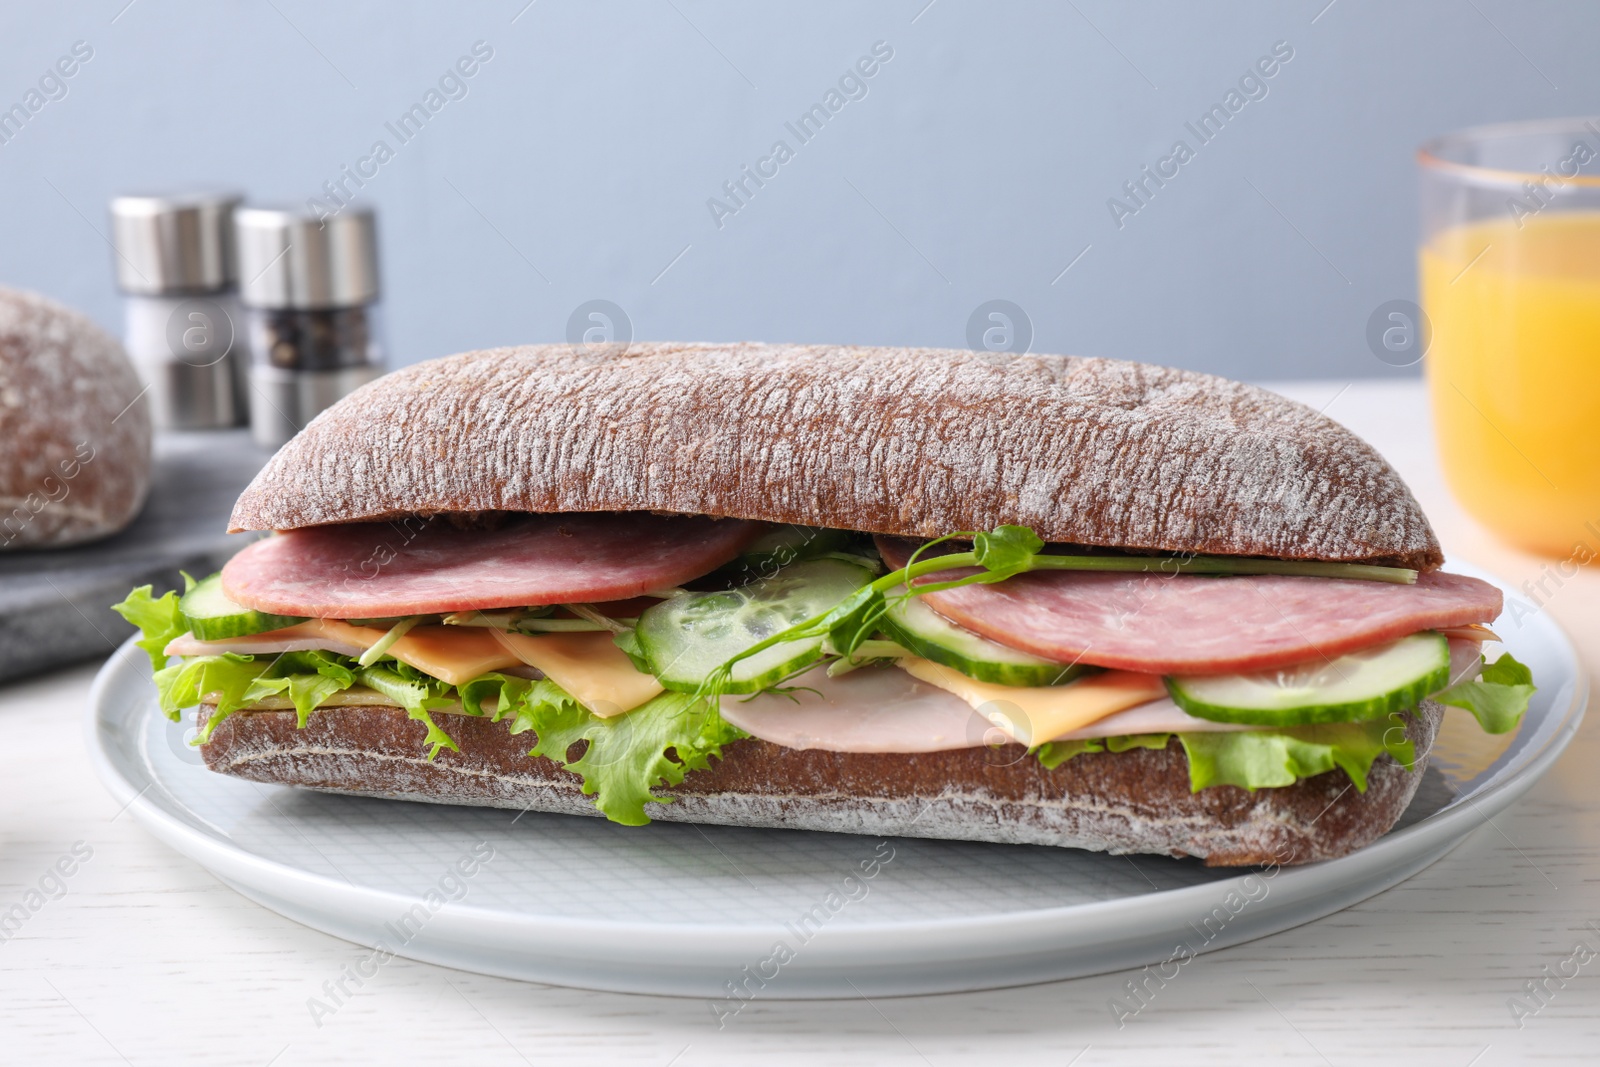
290 259
174 244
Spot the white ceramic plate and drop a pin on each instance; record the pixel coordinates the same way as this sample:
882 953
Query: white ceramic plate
703 911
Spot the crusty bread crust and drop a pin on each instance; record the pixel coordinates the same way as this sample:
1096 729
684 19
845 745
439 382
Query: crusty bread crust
1135 801
914 442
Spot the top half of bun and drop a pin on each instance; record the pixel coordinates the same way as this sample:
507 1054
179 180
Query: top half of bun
916 442
74 444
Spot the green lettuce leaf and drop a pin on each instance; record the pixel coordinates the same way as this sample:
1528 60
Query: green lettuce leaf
1131 741
309 679
308 692
418 693
506 690
157 618
627 755
1497 698
239 681
313 678
1053 754
542 699
235 681
1262 759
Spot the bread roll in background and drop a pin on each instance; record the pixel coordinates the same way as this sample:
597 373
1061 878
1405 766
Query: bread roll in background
74 445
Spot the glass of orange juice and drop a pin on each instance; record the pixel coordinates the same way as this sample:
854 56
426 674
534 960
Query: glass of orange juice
1510 280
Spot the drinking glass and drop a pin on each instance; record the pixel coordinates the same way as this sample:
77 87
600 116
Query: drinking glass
1510 283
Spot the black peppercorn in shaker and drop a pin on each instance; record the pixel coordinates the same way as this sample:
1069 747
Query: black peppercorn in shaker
310 291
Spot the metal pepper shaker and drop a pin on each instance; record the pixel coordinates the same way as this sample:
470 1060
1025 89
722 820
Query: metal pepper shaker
175 266
310 293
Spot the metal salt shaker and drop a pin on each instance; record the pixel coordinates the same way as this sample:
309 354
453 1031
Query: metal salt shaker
310 293
175 265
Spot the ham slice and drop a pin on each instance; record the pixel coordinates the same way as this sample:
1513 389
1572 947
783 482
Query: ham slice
887 710
380 570
302 637
1189 624
868 710
1157 717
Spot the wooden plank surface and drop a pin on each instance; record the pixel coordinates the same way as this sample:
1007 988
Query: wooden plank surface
147 959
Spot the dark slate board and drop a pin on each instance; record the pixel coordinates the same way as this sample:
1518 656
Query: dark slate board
55 604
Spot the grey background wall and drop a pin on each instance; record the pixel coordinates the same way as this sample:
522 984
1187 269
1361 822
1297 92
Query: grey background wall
977 165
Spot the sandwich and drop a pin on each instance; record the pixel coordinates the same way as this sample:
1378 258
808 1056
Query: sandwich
1051 601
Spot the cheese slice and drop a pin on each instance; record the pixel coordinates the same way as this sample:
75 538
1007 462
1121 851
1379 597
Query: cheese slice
455 654
1035 715
449 653
597 673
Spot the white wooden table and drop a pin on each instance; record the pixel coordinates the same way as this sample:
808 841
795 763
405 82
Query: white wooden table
147 959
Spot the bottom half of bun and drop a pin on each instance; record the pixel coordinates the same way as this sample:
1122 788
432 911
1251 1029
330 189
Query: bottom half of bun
1127 802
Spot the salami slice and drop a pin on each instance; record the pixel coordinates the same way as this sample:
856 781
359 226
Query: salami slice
424 567
1191 624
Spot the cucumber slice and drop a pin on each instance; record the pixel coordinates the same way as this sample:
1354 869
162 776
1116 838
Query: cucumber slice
686 638
928 634
1363 685
211 616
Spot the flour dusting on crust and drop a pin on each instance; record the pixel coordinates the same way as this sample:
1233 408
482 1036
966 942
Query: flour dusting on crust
916 442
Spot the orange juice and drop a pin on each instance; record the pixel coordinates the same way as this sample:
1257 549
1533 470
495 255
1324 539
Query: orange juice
1514 372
